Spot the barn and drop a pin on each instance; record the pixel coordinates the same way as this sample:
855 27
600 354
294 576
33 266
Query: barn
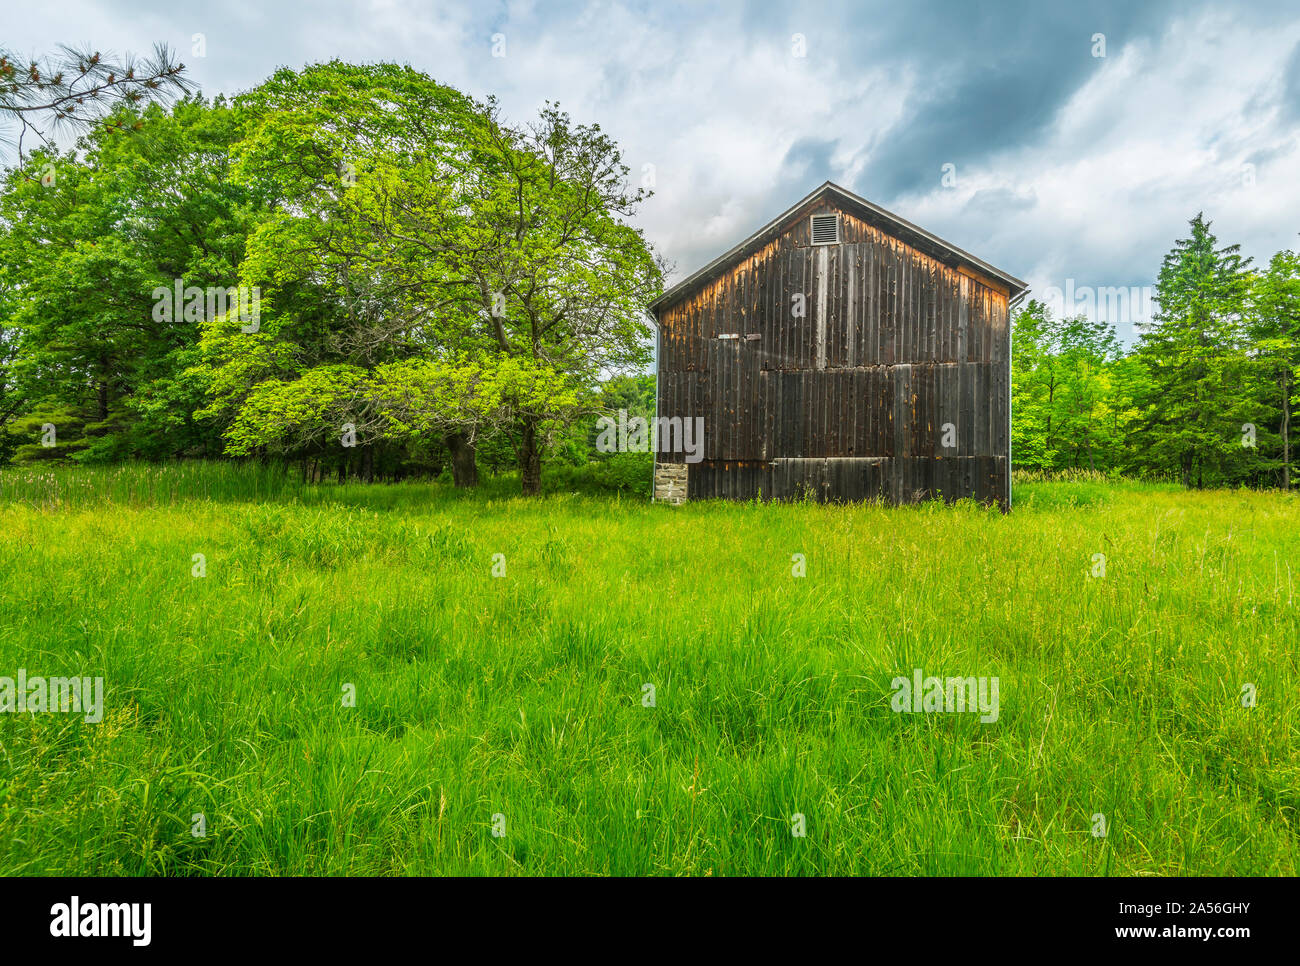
839 353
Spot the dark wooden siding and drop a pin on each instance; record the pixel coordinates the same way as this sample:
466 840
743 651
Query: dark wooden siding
847 401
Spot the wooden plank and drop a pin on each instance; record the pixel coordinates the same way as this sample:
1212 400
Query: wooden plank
822 281
963 318
851 310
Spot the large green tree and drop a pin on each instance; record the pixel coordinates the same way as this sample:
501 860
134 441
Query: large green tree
1200 393
560 278
373 172
1275 332
88 238
413 227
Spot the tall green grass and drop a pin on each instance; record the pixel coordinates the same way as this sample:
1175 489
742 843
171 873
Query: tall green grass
523 695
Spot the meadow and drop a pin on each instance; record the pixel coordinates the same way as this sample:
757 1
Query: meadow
349 689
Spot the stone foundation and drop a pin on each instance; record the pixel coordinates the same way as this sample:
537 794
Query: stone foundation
670 483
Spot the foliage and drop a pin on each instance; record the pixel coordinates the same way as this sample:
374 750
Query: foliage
445 289
1205 396
415 236
84 251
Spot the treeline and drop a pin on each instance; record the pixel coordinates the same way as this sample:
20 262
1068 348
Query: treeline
1204 397
354 270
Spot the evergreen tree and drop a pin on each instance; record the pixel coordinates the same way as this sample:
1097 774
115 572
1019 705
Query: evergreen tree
1197 399
1275 331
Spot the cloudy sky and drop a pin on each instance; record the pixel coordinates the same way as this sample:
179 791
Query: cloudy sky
1073 156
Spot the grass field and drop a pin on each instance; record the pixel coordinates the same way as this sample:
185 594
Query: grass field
517 703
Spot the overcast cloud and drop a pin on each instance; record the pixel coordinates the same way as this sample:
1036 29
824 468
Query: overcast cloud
1067 165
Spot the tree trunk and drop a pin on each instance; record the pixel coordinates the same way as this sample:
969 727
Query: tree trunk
530 459
464 461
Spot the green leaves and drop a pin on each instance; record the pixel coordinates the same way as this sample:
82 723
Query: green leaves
477 280
1200 391
86 237
397 402
283 415
1206 395
424 270
1063 391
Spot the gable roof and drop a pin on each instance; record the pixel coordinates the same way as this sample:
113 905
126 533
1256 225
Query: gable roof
900 228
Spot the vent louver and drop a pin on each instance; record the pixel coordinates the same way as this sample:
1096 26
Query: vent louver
825 229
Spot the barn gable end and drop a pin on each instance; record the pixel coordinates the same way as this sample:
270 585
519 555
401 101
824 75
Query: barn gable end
872 362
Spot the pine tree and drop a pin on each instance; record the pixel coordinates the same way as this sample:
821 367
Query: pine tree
1195 353
1275 330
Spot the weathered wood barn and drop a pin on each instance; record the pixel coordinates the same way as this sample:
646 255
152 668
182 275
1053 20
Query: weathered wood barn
838 352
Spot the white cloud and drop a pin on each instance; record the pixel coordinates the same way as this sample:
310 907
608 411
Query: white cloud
1161 131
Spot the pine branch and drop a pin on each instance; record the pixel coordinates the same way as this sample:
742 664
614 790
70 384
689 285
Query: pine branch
76 87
